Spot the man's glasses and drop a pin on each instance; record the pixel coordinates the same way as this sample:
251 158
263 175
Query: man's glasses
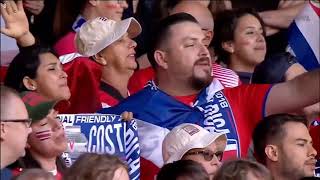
207 154
26 121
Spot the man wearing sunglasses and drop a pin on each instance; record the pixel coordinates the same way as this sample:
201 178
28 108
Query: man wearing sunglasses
192 142
15 128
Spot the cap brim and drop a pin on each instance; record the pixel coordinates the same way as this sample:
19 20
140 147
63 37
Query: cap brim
202 142
38 106
134 29
130 25
40 112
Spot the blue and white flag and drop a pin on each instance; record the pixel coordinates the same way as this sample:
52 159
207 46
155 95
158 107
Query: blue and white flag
103 134
303 37
211 111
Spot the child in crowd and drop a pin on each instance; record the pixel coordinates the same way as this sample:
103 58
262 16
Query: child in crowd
92 166
242 169
183 169
35 174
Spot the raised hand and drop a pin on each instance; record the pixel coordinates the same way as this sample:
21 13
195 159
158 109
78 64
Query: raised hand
16 22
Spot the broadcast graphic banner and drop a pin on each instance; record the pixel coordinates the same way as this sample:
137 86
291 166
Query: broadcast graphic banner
103 134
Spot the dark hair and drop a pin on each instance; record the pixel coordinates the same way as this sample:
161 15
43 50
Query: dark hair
225 24
186 169
161 32
24 64
239 169
272 70
28 162
66 13
270 129
92 166
215 7
149 13
161 9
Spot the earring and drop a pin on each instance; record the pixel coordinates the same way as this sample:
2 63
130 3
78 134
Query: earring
33 87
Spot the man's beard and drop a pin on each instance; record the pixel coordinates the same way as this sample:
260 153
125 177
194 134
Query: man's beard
199 83
289 170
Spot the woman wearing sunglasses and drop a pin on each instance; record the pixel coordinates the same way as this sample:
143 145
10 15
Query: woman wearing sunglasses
192 142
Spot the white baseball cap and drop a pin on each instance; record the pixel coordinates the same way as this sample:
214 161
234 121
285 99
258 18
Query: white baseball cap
185 137
95 35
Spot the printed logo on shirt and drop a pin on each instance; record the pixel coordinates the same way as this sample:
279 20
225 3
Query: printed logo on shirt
103 133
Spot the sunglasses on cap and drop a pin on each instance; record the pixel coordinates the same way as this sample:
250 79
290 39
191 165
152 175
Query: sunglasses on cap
27 122
207 154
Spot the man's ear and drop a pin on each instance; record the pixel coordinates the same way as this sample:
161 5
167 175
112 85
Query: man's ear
3 131
209 34
228 46
160 58
29 83
100 59
94 2
272 152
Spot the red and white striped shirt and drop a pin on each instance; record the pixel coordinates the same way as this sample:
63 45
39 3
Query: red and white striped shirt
227 77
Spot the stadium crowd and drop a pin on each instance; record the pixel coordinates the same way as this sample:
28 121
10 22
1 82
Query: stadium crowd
160 89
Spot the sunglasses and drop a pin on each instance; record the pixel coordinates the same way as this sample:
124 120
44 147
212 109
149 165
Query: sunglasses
207 154
26 121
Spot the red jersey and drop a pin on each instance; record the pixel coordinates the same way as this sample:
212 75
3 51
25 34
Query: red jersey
84 77
247 103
